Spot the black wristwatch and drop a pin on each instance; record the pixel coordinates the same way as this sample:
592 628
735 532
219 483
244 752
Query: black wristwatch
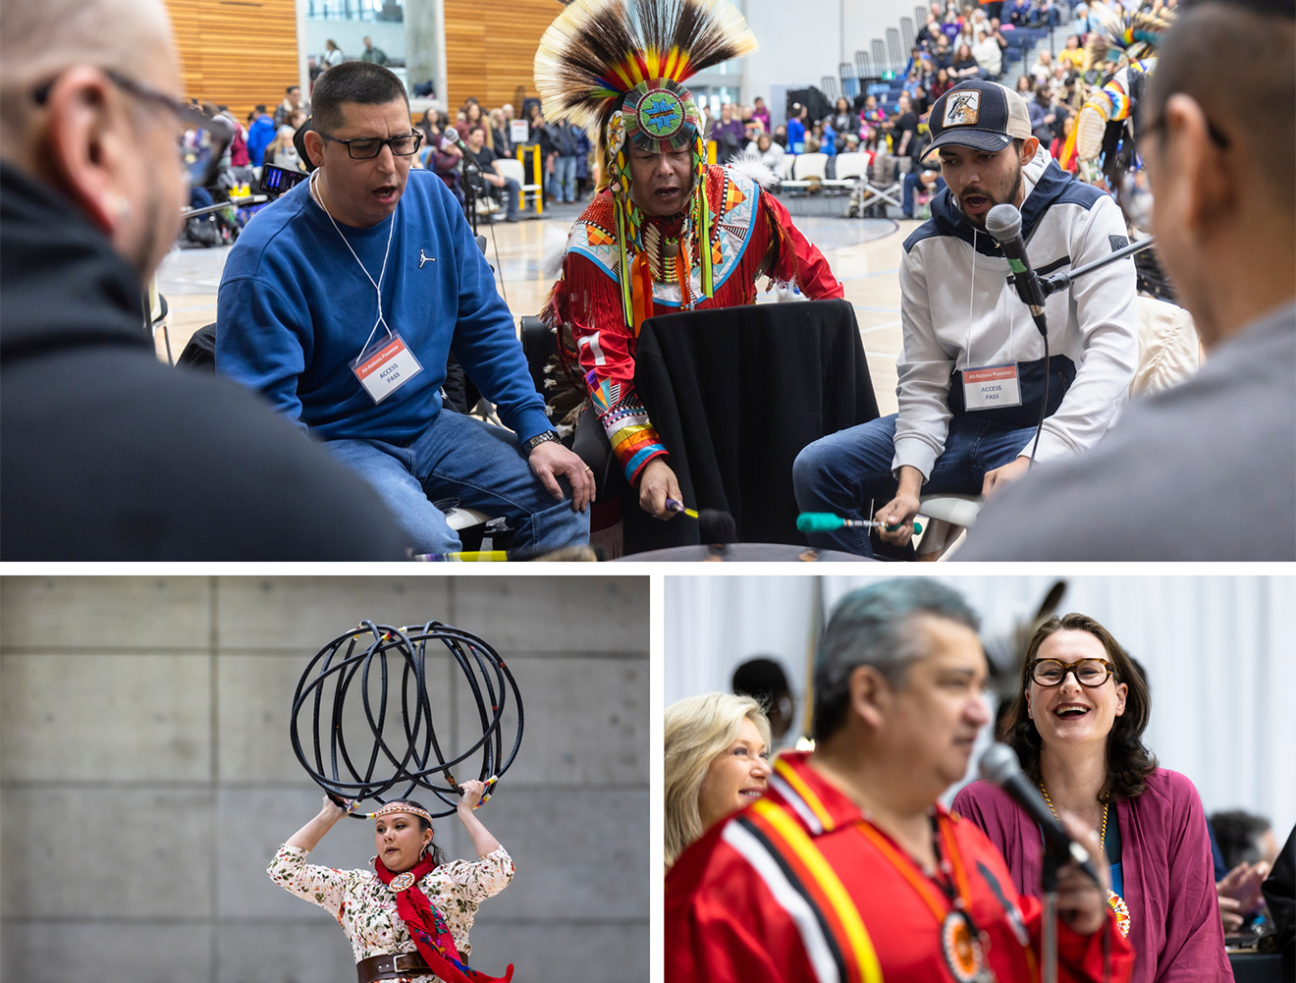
541 438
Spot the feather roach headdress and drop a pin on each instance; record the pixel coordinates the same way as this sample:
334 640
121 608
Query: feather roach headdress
618 71
1133 36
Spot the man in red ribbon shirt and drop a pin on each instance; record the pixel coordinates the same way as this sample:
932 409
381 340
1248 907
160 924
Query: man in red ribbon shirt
849 870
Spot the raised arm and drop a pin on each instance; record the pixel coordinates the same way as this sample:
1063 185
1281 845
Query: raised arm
323 886
482 840
308 837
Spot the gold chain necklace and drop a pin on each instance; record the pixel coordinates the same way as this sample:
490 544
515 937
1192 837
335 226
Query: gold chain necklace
1049 802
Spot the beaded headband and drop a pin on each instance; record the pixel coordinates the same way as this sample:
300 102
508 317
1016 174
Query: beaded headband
394 807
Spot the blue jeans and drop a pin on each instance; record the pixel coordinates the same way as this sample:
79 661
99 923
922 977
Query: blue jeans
562 183
514 192
480 466
842 472
912 182
510 194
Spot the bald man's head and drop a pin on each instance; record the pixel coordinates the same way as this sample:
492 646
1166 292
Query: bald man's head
39 39
104 131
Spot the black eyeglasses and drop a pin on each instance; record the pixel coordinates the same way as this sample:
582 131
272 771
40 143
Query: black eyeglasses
367 148
200 147
1088 672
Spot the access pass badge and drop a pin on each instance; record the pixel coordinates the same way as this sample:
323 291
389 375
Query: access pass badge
385 366
990 387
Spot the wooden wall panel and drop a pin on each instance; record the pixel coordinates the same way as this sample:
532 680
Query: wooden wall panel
465 34
490 48
184 22
236 53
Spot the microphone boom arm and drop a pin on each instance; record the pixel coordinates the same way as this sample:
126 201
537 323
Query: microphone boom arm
1060 281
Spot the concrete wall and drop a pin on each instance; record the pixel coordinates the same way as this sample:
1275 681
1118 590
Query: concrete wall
147 777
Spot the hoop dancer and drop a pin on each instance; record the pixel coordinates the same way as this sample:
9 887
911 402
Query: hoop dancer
408 918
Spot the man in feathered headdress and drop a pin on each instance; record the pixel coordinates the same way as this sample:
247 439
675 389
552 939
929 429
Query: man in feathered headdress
1118 62
667 232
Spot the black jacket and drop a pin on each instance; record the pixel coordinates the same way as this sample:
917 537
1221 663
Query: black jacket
1280 894
563 137
107 454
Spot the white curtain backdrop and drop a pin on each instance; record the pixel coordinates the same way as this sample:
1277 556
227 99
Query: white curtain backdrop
1218 651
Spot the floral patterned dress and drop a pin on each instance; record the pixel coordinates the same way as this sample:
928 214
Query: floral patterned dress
366 909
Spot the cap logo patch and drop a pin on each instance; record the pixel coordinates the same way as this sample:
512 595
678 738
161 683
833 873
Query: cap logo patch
963 108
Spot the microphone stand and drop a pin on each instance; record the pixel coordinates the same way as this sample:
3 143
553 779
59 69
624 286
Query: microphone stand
470 191
1060 281
1049 886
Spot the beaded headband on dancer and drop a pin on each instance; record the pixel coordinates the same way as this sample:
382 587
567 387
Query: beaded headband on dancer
622 80
394 807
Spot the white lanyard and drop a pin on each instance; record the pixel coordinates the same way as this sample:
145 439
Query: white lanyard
377 286
988 386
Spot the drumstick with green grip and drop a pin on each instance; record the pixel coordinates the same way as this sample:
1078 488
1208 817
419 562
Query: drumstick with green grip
828 522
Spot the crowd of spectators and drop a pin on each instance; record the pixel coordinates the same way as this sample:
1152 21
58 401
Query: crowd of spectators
476 136
485 136
956 44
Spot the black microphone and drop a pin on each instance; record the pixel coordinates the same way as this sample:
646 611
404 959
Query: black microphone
1004 222
999 766
452 134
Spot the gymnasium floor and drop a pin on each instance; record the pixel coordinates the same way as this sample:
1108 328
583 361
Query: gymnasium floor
864 254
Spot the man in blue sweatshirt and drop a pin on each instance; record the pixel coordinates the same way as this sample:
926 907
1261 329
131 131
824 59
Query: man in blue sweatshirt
342 303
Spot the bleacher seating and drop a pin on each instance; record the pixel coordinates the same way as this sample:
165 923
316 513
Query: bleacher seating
881 71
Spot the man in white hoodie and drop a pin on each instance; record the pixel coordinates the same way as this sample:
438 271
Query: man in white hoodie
1205 470
972 369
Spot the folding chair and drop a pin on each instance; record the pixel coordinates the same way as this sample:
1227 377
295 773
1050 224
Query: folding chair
507 167
948 516
850 168
871 191
807 171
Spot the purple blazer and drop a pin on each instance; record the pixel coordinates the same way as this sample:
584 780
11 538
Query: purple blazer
1169 878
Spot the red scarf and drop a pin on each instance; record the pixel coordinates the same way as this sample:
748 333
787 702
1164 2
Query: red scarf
429 931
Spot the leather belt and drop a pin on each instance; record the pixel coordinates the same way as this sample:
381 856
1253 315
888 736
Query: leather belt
387 967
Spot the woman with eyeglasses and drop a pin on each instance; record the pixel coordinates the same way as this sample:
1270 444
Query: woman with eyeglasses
1077 724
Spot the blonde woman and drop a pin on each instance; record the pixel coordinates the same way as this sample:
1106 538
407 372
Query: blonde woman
499 135
717 762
